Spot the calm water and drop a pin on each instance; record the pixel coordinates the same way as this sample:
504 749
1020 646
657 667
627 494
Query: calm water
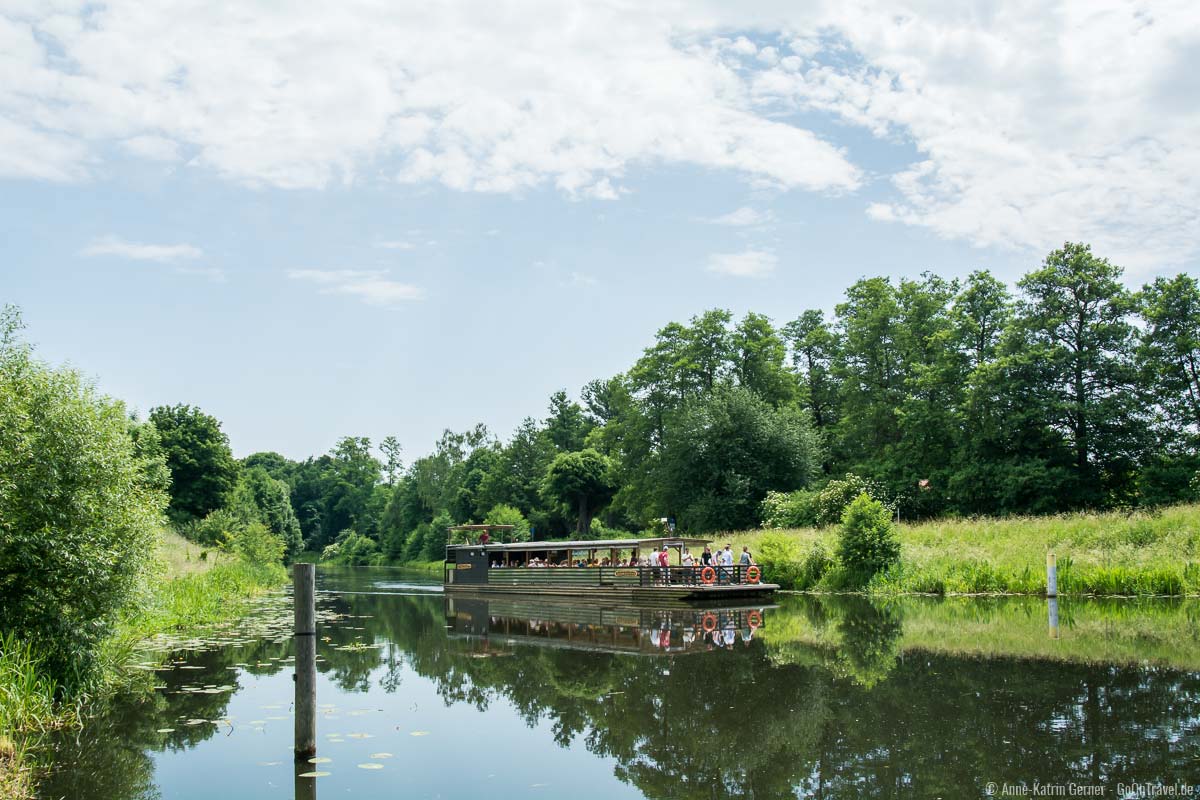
816 697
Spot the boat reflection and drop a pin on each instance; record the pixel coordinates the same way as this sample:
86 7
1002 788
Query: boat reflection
494 624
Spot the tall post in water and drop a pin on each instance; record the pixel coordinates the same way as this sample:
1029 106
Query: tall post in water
1051 576
303 593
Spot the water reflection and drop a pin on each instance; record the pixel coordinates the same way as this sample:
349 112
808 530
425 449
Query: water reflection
818 697
605 629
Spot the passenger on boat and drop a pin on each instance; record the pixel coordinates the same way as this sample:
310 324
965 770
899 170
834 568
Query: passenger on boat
726 557
706 558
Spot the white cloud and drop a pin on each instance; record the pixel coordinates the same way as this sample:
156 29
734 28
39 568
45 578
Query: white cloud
1032 122
477 97
745 217
1035 123
137 251
397 244
371 286
747 264
153 148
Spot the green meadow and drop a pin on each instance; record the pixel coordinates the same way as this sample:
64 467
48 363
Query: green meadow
1113 553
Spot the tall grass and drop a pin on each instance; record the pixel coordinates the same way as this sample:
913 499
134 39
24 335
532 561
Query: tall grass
192 587
29 706
1142 553
27 697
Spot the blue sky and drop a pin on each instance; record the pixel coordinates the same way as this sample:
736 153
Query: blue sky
396 222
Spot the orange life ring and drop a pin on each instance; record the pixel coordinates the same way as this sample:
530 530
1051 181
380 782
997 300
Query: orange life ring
754 619
753 574
708 575
709 623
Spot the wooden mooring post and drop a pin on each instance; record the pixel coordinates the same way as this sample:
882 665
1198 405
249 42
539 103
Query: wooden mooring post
304 597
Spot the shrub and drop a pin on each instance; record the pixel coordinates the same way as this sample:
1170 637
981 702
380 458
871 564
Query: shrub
256 544
832 501
796 509
867 543
353 549
78 513
433 548
218 528
598 530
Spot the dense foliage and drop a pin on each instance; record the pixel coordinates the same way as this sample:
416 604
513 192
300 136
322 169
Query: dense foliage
203 472
933 396
867 543
80 501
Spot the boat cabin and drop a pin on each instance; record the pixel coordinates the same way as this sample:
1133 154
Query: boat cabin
626 569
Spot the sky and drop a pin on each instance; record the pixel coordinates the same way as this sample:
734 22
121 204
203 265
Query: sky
315 220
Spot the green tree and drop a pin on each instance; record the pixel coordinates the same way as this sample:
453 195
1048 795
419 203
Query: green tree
78 509
393 465
580 481
1076 315
726 452
507 515
203 471
260 498
347 498
433 542
917 468
980 313
567 426
516 476
814 350
759 357
1170 351
870 375
277 466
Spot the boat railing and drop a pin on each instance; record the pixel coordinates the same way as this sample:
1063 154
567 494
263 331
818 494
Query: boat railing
674 575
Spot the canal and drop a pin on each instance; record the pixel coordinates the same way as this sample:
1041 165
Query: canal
424 696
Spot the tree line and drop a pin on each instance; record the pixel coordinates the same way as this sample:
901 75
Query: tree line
941 396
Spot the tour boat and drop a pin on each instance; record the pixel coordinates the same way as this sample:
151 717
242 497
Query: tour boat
593 570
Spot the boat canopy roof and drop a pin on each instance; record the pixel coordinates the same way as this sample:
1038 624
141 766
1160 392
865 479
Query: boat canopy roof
588 544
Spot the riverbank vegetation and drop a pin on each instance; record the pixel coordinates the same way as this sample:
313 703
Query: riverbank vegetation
1111 553
941 398
83 490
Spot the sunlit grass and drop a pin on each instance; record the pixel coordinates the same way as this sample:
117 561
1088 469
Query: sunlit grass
1141 553
190 587
29 706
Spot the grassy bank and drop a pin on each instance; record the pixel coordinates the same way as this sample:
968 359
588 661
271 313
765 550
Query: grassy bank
191 587
1142 553
198 587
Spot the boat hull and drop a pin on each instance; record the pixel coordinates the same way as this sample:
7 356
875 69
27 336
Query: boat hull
638 595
